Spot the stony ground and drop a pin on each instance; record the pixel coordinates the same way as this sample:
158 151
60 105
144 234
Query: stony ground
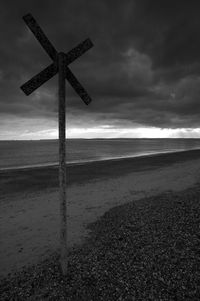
145 250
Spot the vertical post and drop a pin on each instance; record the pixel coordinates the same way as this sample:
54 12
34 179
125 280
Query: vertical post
62 164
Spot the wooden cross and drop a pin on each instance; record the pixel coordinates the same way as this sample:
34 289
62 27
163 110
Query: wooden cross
60 66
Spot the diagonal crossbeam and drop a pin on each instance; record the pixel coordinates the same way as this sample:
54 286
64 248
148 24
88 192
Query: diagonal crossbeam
40 36
46 74
39 79
77 86
77 51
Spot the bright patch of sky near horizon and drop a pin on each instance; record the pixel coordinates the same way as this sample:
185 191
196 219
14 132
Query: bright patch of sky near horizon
42 131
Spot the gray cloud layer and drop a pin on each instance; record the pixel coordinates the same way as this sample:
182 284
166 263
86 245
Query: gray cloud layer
143 69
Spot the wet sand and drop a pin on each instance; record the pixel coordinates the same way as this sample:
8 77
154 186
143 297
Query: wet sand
30 207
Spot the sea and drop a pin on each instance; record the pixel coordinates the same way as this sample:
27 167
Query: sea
24 154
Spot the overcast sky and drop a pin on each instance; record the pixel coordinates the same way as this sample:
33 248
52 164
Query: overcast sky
143 73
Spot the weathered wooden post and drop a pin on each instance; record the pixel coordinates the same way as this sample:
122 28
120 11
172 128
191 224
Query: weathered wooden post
60 66
62 160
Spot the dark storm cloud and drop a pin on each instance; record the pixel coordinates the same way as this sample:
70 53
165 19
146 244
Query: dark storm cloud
144 67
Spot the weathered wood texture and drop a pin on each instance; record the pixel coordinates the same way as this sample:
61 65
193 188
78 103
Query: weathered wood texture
62 164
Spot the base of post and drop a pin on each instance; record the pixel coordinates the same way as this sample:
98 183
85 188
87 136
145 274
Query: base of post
64 265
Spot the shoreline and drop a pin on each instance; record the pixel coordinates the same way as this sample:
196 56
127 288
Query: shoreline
92 161
41 178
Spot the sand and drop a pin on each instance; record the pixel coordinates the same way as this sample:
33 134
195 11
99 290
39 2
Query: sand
30 211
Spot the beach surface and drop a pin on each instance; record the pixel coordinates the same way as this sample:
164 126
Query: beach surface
30 207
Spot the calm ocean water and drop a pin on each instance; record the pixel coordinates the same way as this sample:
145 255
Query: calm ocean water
45 152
